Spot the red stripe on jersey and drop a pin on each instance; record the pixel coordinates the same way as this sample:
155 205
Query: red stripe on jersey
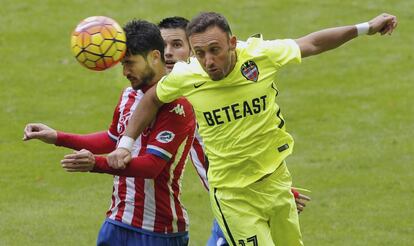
122 195
139 203
109 212
163 202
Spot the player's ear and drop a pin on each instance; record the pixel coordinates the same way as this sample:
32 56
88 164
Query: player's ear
155 57
233 42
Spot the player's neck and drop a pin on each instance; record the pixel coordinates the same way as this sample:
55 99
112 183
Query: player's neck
159 73
233 61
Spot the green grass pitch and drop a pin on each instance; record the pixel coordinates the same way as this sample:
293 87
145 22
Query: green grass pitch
350 111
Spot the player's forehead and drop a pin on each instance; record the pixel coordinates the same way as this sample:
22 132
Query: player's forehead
173 34
132 58
211 36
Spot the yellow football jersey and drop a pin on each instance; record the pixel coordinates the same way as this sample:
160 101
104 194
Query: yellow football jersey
239 121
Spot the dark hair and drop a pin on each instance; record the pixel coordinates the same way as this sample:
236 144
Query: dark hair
173 22
143 37
204 20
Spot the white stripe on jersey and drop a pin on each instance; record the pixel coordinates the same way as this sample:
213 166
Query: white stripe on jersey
129 201
149 205
124 116
113 137
178 156
198 164
117 200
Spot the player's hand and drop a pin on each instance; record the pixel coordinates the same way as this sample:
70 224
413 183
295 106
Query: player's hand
41 132
300 200
119 158
383 23
79 161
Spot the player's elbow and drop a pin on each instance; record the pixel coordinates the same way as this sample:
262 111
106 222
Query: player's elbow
307 47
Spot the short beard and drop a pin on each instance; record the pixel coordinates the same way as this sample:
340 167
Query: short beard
147 77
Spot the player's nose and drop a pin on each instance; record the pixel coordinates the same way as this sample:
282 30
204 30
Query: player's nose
125 71
168 51
209 61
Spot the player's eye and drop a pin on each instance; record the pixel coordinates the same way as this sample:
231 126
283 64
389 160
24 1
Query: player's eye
199 53
215 50
177 45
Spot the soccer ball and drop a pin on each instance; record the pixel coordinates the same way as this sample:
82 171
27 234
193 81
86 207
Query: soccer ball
98 43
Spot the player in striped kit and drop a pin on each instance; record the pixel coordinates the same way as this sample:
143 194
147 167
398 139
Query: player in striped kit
145 207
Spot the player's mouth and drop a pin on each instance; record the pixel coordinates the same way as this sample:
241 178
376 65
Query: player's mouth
212 70
133 80
169 64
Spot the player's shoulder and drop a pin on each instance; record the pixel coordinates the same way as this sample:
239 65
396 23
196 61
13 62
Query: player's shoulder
180 106
256 45
129 90
179 101
187 68
257 41
253 46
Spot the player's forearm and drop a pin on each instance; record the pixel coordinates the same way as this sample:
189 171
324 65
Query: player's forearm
147 166
144 114
324 40
97 143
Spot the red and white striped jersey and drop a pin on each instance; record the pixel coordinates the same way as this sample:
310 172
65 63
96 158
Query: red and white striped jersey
154 204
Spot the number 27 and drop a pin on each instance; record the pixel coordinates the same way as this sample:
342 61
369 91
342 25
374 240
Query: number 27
252 239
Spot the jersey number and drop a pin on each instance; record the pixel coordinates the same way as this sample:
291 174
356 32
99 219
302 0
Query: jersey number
252 240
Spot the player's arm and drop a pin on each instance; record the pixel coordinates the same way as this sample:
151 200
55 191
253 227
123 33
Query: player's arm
331 38
98 142
140 119
170 133
147 166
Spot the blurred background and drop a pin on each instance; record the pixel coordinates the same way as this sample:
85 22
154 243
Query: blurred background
349 110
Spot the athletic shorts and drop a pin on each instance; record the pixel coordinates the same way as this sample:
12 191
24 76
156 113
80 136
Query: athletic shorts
263 213
217 237
112 234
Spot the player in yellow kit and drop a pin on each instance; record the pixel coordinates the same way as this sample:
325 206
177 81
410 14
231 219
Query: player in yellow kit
231 86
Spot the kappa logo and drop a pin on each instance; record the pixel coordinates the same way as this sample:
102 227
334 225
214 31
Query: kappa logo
165 137
250 71
178 109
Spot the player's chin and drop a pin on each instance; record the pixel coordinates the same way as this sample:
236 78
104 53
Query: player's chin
169 67
215 75
135 84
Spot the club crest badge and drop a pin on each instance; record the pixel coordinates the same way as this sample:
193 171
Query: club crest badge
250 71
165 137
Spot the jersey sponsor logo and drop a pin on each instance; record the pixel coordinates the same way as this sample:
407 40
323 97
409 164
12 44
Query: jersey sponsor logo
199 85
235 111
178 109
165 137
123 121
250 71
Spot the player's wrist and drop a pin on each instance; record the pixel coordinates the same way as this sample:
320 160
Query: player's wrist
362 28
126 143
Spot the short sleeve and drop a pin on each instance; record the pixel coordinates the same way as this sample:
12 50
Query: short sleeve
282 51
168 88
